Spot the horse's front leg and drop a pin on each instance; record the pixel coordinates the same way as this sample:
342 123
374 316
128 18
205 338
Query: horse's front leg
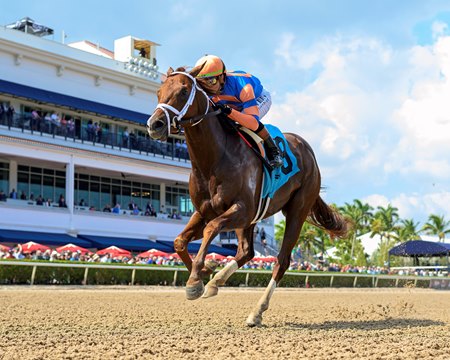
245 253
192 231
229 219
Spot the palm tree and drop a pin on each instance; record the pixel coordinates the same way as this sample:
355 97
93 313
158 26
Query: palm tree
437 225
359 215
383 224
407 231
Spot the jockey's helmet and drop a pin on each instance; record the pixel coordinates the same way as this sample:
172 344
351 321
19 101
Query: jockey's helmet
214 66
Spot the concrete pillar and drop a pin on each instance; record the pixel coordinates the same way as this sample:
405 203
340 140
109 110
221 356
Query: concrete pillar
13 177
70 184
162 197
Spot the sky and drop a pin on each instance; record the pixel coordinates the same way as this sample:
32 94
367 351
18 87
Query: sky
366 83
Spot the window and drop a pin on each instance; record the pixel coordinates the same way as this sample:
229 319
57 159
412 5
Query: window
4 177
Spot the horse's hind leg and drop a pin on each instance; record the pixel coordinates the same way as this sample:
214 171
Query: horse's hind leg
245 253
296 212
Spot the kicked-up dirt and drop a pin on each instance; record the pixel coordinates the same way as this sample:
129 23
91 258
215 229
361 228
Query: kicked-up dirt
158 323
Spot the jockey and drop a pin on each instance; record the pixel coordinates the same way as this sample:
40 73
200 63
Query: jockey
241 97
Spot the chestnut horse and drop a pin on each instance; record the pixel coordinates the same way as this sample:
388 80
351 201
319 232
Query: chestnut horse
225 186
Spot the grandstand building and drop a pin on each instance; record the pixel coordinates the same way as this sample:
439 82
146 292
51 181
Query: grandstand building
76 163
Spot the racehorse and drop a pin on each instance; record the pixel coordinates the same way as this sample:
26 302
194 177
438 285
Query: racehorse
225 186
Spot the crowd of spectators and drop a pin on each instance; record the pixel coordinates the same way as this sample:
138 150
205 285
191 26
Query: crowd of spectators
52 122
174 260
131 209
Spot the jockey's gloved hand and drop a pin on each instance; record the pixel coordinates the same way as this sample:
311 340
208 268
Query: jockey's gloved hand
225 109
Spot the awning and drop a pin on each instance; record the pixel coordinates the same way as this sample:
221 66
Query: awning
194 247
131 244
51 239
420 248
75 103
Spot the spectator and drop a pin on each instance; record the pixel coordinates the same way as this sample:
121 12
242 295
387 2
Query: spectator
99 133
23 196
2 195
71 128
62 201
107 208
125 138
90 131
55 122
149 210
40 200
48 202
10 115
32 197
143 53
13 194
116 209
35 120
82 203
2 112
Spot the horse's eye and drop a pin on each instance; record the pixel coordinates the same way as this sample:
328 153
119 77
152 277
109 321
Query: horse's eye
184 91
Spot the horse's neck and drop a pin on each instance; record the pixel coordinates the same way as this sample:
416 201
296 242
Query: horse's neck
206 143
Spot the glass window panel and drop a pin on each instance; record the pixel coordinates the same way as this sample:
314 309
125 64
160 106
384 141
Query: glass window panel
60 183
60 173
94 195
116 195
36 170
49 180
36 179
49 171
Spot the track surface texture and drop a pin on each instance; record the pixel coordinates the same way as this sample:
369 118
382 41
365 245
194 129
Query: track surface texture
158 323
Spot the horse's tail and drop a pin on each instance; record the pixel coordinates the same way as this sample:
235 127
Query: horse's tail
329 219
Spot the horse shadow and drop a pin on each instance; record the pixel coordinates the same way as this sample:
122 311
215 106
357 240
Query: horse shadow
367 325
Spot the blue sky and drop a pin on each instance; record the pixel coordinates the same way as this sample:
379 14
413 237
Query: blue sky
367 83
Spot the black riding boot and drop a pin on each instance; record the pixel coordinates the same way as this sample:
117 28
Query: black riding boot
273 153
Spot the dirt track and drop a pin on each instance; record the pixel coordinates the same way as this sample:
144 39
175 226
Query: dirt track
153 323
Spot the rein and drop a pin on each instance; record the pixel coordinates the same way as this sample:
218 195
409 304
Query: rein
177 121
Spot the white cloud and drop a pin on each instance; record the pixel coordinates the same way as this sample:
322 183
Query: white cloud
377 118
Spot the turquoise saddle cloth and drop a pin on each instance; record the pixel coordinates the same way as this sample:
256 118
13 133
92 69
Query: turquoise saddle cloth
276 178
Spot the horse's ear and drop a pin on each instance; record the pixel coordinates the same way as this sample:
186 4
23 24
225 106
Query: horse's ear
195 71
169 71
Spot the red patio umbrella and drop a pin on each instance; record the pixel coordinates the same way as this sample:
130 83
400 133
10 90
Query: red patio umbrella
114 251
175 255
153 252
72 248
4 248
215 256
265 258
32 246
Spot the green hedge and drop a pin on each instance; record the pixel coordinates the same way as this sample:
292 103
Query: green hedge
15 274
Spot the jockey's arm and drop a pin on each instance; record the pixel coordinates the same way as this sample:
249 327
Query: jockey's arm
249 117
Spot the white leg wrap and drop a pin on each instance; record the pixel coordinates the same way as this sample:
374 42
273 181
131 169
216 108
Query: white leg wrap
223 275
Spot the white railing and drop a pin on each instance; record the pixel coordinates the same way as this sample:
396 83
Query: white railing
443 282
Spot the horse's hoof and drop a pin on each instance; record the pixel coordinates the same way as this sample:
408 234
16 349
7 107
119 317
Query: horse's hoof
211 265
254 320
211 291
195 291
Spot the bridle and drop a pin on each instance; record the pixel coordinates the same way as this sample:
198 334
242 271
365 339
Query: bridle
177 120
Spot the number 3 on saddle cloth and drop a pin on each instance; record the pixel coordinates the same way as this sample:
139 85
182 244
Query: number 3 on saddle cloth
273 179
